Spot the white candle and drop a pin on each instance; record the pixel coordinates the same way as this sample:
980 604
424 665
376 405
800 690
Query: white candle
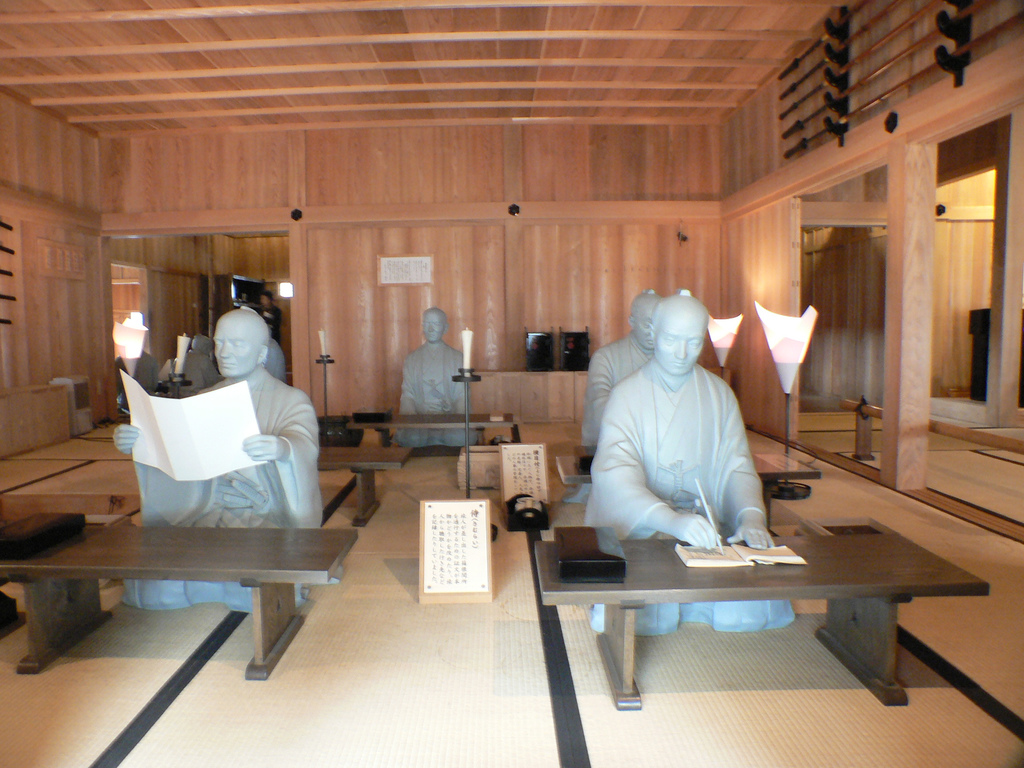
323 343
467 348
179 361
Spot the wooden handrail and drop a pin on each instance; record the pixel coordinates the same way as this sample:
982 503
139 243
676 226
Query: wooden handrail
979 436
861 407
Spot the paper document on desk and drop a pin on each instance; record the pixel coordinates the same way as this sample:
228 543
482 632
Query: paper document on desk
736 555
195 438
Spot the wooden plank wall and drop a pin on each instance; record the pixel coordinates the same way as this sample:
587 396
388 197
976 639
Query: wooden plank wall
186 173
761 253
49 192
843 277
963 277
372 192
44 158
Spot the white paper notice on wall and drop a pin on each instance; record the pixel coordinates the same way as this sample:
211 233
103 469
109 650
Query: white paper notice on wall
455 551
405 270
524 469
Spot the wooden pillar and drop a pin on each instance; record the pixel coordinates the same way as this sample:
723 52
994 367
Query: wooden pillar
298 267
908 314
1002 397
514 356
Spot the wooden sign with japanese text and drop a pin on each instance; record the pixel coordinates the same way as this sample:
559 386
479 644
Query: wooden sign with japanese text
455 551
524 469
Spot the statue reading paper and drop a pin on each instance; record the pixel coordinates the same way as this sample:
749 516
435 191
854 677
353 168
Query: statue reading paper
666 427
427 385
281 491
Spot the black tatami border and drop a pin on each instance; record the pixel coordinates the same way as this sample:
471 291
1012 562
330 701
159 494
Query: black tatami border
964 684
134 732
572 743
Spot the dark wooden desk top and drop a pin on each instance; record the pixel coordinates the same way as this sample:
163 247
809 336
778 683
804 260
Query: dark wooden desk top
359 458
436 421
266 555
864 565
773 467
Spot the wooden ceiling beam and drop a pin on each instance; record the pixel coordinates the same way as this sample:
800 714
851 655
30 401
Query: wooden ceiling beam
781 36
376 88
335 6
413 123
73 78
393 107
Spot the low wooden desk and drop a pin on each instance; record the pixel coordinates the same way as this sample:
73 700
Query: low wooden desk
437 421
364 464
62 599
863 577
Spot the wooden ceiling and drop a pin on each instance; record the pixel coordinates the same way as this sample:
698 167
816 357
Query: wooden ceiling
117 66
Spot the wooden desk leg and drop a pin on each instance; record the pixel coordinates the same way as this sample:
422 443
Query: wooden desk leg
274 623
366 488
385 436
59 613
618 647
861 633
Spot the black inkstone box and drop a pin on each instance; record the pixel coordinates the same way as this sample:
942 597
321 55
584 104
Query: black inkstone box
30 535
588 554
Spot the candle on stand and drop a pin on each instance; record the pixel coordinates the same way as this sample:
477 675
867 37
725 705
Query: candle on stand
467 348
179 361
323 342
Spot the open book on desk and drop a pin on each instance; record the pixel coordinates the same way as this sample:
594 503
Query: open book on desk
736 555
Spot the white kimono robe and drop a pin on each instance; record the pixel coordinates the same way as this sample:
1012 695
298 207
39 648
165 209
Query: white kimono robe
427 387
653 444
292 486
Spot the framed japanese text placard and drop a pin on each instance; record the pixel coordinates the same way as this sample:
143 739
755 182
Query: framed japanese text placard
524 469
455 551
405 270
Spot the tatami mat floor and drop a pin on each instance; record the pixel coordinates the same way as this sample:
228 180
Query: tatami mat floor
376 679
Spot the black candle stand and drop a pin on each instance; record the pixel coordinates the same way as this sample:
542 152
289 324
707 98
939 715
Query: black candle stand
466 376
325 360
175 381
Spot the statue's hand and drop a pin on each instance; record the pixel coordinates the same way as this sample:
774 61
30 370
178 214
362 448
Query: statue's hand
751 530
266 448
125 436
238 494
696 530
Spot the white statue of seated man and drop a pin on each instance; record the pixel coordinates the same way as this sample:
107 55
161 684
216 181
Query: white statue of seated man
614 362
281 492
427 385
666 425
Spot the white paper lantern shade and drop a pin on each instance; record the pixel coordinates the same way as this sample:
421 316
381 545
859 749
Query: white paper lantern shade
788 338
723 335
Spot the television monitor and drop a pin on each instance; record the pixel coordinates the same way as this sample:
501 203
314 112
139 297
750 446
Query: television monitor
246 291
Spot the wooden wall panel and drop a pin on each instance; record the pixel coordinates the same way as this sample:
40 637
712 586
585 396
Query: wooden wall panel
61 319
195 172
761 260
47 158
580 275
621 163
572 276
843 277
962 282
412 165
372 328
750 143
